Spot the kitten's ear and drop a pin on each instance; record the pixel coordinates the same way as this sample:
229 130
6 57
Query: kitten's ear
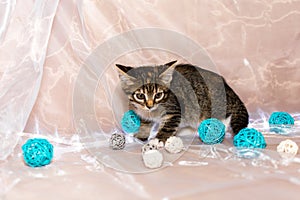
170 63
167 74
123 69
124 76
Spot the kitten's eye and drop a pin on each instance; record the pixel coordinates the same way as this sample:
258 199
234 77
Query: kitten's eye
159 96
139 97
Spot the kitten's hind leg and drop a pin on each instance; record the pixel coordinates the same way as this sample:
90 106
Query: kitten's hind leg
239 120
144 130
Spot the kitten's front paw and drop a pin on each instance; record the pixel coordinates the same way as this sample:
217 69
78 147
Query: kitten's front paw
163 137
142 136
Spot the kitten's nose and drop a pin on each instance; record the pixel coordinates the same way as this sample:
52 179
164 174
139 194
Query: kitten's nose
150 104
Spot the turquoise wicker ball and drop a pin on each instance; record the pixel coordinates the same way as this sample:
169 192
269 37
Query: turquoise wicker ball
249 138
37 152
280 121
130 122
211 131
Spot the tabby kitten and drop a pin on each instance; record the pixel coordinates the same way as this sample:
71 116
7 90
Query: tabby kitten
177 96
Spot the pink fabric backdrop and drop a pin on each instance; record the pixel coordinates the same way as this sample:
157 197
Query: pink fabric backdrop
255 46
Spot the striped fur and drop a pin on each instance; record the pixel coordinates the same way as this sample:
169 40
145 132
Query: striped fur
176 96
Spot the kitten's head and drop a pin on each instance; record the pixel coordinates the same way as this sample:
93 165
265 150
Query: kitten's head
146 87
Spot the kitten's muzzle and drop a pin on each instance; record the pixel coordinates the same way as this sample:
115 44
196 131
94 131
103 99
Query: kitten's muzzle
150 104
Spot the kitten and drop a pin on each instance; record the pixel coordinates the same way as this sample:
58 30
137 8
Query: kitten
176 96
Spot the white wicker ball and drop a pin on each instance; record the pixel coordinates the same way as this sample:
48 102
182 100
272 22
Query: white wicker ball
174 145
153 159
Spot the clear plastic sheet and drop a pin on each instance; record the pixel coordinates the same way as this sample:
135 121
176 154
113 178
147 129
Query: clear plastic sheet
58 82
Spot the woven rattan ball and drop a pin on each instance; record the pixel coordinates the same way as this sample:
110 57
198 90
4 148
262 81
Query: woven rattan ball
287 149
37 152
174 145
211 131
153 159
117 141
249 138
280 122
130 122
